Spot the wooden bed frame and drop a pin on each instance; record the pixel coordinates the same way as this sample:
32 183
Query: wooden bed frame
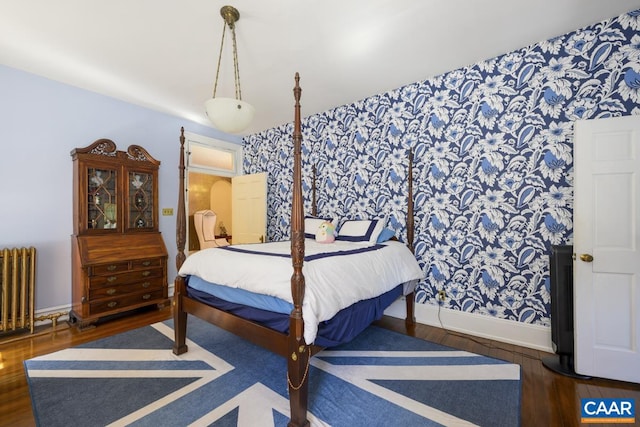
291 346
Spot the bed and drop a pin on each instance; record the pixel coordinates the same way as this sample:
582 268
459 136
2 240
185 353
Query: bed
270 303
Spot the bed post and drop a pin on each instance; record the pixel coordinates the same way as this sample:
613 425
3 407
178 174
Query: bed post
410 320
181 222
179 315
298 355
314 203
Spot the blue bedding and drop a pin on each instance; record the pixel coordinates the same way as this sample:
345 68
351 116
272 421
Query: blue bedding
241 296
342 328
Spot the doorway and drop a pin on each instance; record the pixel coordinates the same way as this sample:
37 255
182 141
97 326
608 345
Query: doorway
210 166
209 192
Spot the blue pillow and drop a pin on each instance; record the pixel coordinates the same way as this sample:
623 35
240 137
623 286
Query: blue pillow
385 235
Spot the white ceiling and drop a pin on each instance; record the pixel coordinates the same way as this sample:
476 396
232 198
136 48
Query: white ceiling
162 54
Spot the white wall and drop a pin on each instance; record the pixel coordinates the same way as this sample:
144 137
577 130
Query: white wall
41 122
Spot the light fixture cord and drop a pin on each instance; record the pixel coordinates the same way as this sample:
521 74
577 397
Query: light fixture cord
215 85
236 69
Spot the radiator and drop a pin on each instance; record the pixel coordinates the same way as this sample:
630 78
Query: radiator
17 278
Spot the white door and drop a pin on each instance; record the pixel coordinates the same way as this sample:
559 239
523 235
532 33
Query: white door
249 208
606 243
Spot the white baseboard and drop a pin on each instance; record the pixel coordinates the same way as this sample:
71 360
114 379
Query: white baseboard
60 313
517 333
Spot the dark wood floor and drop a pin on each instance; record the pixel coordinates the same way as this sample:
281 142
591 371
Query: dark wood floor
548 399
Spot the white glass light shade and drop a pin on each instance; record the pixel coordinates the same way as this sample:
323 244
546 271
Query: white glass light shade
229 115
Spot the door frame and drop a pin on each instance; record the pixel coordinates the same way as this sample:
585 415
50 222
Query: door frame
215 144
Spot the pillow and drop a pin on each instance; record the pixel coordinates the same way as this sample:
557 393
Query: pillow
364 231
311 225
326 232
385 234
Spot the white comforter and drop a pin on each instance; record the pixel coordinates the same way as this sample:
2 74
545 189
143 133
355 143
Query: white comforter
332 283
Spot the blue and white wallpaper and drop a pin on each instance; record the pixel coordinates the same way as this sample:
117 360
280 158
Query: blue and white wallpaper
493 165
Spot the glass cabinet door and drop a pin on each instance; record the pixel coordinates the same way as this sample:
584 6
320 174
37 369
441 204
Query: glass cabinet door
141 200
102 198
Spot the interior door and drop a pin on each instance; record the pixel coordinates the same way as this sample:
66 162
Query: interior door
249 208
606 241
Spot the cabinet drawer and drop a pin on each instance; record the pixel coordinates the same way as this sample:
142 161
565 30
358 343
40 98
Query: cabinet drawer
124 278
120 290
114 304
114 267
145 263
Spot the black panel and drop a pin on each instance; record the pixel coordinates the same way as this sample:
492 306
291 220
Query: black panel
561 281
561 270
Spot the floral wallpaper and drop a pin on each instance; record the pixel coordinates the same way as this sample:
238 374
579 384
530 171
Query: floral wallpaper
493 165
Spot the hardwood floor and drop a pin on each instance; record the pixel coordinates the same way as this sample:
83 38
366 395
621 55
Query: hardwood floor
15 403
548 399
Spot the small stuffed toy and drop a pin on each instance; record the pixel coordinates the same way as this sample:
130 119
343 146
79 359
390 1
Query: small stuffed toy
326 233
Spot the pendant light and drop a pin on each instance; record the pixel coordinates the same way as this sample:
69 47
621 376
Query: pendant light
230 115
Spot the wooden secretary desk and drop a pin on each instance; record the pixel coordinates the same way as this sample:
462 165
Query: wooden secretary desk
118 257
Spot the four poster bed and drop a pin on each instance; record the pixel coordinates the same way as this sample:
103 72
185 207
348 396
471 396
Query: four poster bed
293 320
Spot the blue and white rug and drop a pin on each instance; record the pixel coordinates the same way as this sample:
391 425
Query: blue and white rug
382 378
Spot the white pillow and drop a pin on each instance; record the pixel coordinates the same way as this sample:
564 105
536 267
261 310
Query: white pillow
364 231
311 225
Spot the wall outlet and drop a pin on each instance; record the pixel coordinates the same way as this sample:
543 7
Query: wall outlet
442 295
167 211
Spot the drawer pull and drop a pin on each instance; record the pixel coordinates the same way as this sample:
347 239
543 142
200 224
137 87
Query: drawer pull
112 267
146 296
145 273
146 263
112 304
112 279
146 284
111 291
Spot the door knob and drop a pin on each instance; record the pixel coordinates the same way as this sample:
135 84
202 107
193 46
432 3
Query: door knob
586 257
